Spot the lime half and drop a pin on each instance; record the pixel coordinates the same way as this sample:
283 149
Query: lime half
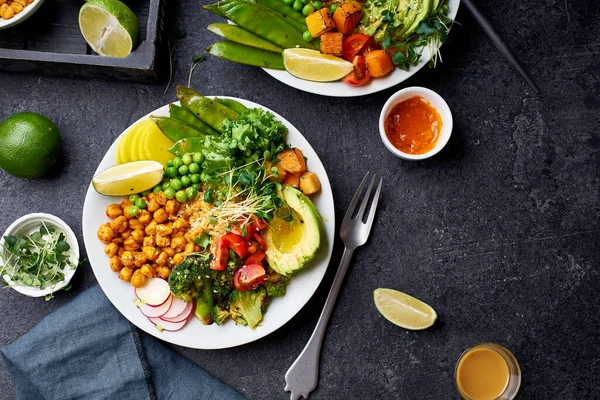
130 178
404 310
109 27
311 65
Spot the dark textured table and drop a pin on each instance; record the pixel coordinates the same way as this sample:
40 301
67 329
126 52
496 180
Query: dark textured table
499 232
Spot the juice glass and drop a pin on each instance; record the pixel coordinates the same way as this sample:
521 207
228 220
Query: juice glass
487 371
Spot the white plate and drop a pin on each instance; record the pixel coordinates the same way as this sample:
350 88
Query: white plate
22 16
340 89
195 335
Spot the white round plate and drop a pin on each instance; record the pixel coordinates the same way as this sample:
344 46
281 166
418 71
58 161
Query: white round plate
195 335
22 16
340 89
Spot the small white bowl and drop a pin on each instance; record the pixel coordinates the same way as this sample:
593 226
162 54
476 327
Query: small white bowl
28 224
436 101
22 16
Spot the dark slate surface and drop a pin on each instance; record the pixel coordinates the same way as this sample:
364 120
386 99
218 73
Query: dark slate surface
499 232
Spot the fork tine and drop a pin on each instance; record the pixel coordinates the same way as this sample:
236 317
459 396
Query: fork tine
363 205
373 208
355 199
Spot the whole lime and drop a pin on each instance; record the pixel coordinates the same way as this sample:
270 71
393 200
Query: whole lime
29 145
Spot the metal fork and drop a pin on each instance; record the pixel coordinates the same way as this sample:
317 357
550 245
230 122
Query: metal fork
303 376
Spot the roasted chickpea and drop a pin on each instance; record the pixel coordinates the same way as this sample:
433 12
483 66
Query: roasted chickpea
135 224
178 258
151 228
163 230
119 224
121 251
145 216
126 213
178 244
164 272
188 236
172 207
152 205
169 250
139 259
149 241
106 233
127 258
111 249
180 224
161 199
126 234
150 252
189 248
117 241
138 235
115 264
162 259
138 279
131 244
178 235
161 216
113 211
126 273
147 271
163 241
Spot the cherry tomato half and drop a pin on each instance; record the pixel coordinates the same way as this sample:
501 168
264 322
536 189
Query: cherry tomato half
220 255
353 44
249 277
236 243
255 259
360 75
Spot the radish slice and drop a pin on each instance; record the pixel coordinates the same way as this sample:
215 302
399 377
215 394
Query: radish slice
154 293
185 314
177 307
155 312
168 326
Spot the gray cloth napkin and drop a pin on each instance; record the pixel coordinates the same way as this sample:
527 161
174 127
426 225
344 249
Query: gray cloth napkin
88 350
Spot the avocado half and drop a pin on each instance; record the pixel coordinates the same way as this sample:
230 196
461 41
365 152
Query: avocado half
286 259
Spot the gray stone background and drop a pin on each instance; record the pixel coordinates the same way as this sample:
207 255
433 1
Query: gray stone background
499 232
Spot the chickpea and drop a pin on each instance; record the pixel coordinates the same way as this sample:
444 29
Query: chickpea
138 279
178 258
105 233
117 241
145 216
126 273
126 213
119 224
161 216
126 234
161 199
178 244
162 259
177 235
163 230
3 2
149 241
115 264
130 244
169 250
138 235
152 205
180 225
111 249
127 259
151 228
147 271
17 7
188 236
121 251
113 211
189 248
7 12
135 224
163 241
172 207
139 259
150 252
151 196
164 272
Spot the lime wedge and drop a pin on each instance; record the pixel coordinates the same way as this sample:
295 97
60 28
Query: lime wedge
129 178
314 66
404 310
109 27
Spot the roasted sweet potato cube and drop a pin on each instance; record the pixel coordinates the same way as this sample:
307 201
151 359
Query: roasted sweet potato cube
309 183
347 17
319 22
291 161
331 43
293 179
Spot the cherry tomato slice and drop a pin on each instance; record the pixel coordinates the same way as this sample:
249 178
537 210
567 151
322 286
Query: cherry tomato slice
253 246
236 243
352 80
249 277
256 225
353 44
255 259
360 68
257 236
220 255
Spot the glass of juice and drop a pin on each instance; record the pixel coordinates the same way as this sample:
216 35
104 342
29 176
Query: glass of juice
487 371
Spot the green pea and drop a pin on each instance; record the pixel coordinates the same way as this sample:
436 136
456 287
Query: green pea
165 185
171 172
187 159
186 181
307 38
198 158
170 163
304 1
157 189
332 8
176 184
298 5
133 198
141 203
145 193
184 169
208 196
169 193
134 211
180 196
307 10
289 2
196 186
194 168
177 162
195 178
191 193
317 5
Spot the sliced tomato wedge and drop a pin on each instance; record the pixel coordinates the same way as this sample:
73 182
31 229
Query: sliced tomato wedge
256 225
220 255
253 246
236 243
353 44
255 259
360 75
258 237
249 277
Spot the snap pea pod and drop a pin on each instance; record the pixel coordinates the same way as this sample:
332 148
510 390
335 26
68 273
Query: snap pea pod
234 105
188 145
187 117
175 130
210 111
186 91
246 55
214 8
263 22
283 9
242 36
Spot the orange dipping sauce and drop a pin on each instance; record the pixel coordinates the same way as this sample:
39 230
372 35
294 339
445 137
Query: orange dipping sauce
482 374
413 126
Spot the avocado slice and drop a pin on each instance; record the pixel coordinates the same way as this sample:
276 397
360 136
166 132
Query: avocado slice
422 15
291 245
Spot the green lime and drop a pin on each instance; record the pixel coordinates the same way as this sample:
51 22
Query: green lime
109 27
404 310
29 145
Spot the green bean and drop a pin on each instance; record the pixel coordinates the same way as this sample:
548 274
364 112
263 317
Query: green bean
242 36
175 130
283 9
187 117
246 55
234 105
210 111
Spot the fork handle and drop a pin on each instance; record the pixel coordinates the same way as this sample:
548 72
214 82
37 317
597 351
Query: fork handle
304 372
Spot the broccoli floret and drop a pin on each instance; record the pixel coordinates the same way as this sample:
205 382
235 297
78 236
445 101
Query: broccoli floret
186 278
219 315
223 280
276 287
246 307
